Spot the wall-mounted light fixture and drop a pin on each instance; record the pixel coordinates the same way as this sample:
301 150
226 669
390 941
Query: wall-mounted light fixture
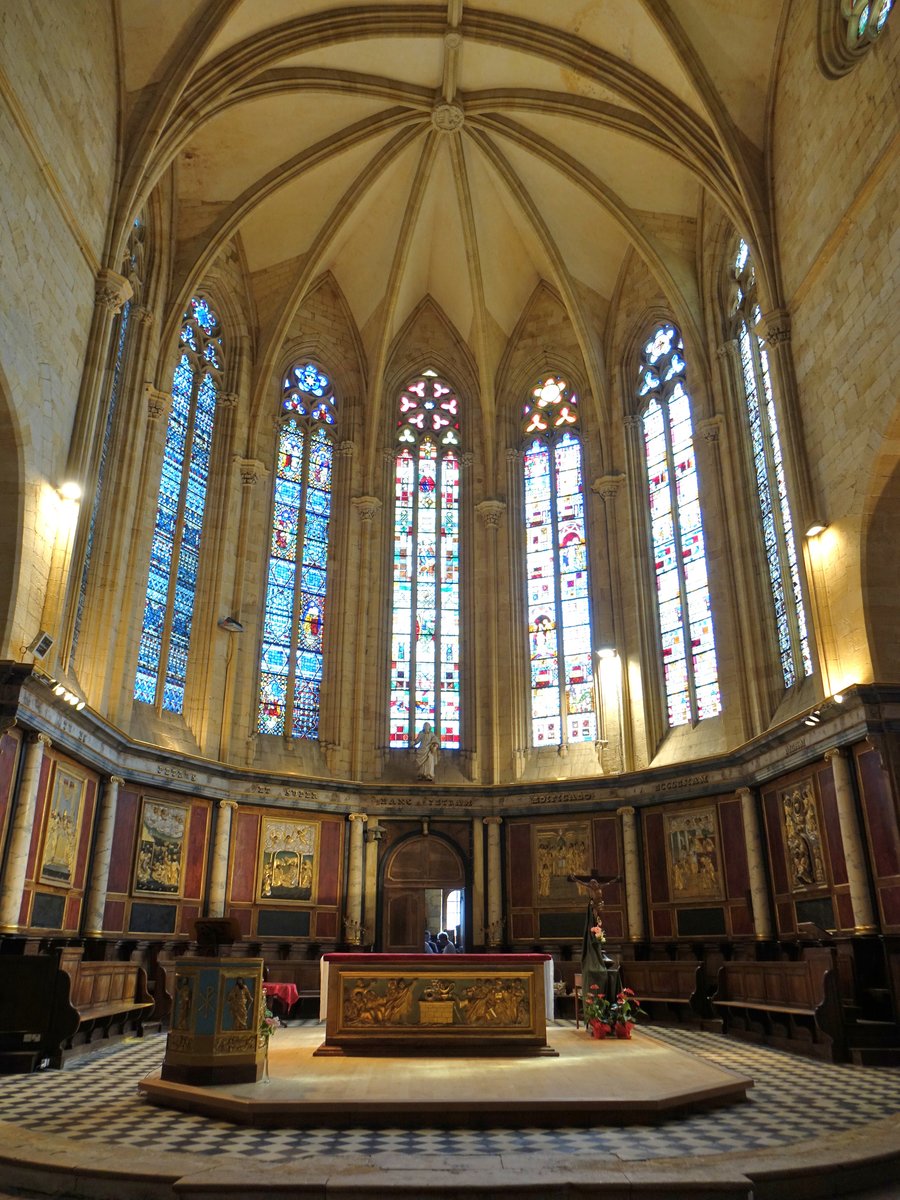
814 718
606 652
70 490
230 625
815 529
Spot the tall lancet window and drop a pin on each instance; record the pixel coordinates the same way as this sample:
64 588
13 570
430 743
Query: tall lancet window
290 665
768 468
563 706
687 639
425 618
175 549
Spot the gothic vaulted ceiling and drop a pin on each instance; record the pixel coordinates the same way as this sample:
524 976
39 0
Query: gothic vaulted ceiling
458 151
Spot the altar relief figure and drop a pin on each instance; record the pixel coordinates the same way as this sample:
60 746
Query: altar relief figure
802 836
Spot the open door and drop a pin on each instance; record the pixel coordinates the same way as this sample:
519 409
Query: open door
418 875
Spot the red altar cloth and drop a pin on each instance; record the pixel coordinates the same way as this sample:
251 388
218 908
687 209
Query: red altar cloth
284 993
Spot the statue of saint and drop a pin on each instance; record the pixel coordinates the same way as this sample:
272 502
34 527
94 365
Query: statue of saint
427 746
240 1001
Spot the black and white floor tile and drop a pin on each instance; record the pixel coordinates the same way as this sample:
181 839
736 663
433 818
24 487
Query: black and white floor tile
793 1099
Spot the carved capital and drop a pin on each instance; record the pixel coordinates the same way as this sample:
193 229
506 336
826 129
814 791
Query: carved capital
743 793
833 753
490 512
38 739
633 422
728 349
492 820
158 402
710 428
227 399
626 811
144 315
465 460
368 507
117 780
345 449
608 487
232 804
512 454
251 469
358 817
775 327
111 291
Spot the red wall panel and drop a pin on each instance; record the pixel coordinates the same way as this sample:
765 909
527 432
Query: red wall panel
123 841
521 869
38 826
330 853
87 828
655 848
833 840
243 862
734 850
195 866
880 813
9 750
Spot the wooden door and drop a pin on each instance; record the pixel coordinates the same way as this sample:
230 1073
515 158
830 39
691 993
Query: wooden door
415 865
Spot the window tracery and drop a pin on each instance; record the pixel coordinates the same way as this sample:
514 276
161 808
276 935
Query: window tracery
847 31
769 476
425 660
175 548
563 701
291 656
684 612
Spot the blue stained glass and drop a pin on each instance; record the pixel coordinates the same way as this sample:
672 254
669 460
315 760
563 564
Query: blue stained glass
676 530
294 618
180 510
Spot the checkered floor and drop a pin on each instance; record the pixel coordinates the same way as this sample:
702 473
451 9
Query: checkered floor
793 1099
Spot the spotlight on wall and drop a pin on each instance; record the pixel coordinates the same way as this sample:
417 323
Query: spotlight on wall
838 697
230 625
606 652
814 718
70 490
815 529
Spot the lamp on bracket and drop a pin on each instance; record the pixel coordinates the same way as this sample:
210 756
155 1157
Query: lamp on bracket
230 625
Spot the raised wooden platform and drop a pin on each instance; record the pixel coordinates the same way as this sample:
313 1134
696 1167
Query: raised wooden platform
588 1083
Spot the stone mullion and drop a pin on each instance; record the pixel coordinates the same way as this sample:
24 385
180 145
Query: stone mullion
337 650
518 699
107 584
121 686
111 292
201 681
745 546
367 508
471 731
641 548
490 513
608 488
251 471
710 435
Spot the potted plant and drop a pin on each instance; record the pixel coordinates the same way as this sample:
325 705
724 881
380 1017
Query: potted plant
597 1012
268 1023
623 1012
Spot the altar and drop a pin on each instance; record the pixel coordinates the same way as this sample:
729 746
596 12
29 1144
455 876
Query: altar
469 1003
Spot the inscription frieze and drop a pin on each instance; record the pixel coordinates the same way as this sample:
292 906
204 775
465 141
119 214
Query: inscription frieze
676 785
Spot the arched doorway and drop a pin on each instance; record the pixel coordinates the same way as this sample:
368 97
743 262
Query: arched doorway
421 876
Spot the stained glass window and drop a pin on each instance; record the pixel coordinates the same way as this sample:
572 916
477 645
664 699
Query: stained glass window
175 549
683 608
865 19
563 708
768 468
133 271
290 667
425 678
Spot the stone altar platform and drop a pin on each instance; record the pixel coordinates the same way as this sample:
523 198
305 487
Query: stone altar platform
587 1083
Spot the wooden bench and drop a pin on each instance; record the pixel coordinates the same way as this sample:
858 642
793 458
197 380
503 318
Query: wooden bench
791 1005
55 1006
666 988
111 999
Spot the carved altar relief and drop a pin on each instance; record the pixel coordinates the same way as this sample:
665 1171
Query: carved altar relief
802 836
693 857
560 850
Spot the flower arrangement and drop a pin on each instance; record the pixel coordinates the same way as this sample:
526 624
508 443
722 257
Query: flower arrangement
268 1023
617 1016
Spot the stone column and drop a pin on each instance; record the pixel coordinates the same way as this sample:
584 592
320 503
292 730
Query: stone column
490 513
367 509
854 852
353 915
96 894
494 890
477 882
634 898
20 838
374 834
759 894
218 876
611 711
